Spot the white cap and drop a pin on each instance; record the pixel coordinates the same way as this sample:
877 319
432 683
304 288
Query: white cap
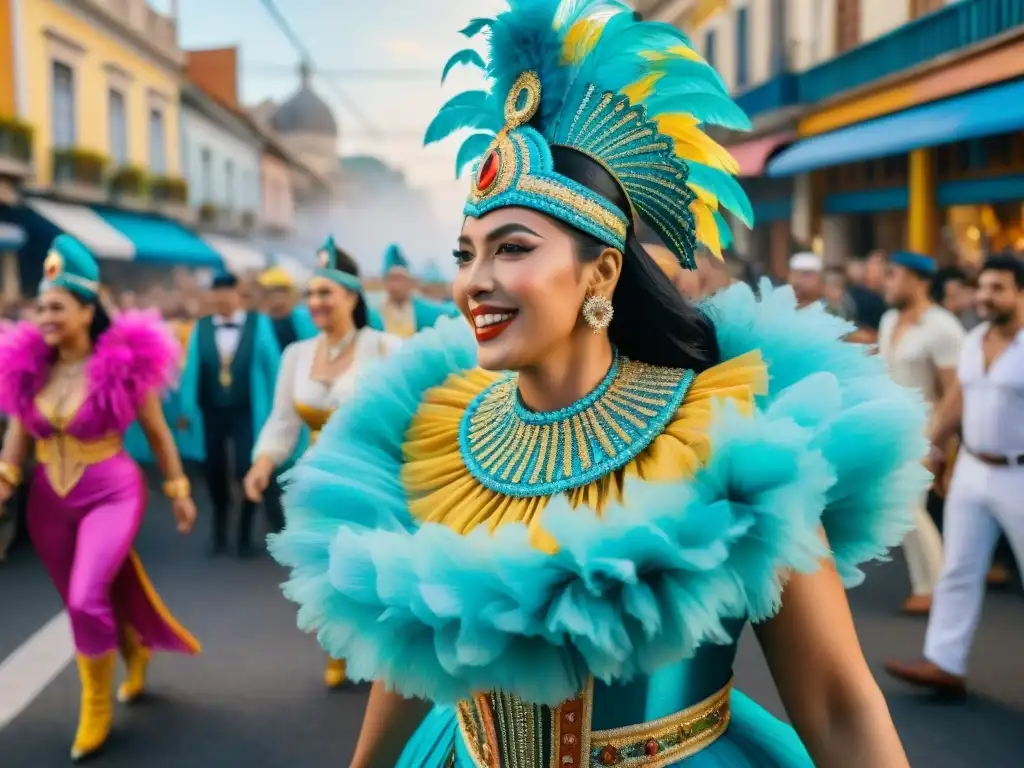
805 261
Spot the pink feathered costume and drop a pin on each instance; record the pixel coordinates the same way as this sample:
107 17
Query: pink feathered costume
88 497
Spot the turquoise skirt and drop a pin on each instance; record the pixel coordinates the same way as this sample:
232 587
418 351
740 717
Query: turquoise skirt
754 739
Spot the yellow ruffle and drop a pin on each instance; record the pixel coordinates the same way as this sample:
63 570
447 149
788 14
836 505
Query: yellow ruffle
441 489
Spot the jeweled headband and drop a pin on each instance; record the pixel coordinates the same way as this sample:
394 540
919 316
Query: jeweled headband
327 267
630 95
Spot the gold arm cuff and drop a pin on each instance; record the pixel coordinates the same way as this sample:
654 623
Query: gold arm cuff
10 474
178 488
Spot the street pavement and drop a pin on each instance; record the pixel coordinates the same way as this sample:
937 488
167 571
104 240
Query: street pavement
254 698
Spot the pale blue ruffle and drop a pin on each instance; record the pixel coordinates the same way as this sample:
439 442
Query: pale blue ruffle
436 614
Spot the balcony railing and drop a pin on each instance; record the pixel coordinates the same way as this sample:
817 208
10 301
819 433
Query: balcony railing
954 27
15 147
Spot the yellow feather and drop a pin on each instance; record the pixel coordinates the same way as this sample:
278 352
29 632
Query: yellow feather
637 91
709 199
693 144
680 51
707 228
581 39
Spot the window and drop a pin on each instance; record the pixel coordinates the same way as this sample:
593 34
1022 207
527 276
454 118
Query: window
742 49
206 171
157 142
709 47
847 25
118 125
229 185
63 106
780 23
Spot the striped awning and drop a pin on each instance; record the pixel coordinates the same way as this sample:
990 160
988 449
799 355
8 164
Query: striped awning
87 226
238 256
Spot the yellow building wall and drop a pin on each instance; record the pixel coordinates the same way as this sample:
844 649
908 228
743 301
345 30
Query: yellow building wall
8 104
92 82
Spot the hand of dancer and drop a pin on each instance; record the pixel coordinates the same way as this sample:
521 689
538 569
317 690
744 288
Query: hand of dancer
257 479
184 511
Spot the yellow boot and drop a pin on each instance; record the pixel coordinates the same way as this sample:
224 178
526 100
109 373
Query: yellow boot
334 673
136 661
97 709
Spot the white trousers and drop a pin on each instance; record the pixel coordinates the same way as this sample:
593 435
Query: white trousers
982 501
923 550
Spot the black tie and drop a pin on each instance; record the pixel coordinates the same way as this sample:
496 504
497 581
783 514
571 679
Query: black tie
229 325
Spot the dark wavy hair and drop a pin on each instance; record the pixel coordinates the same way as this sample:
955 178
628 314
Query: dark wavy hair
653 322
344 262
100 319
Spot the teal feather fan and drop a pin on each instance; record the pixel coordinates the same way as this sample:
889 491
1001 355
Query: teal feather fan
631 94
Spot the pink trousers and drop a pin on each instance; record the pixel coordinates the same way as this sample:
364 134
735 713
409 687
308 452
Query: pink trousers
85 540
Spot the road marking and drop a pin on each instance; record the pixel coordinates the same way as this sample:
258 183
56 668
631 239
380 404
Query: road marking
26 672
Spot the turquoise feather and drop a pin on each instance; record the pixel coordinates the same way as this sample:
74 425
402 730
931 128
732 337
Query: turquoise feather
724 230
471 149
475 27
465 110
725 187
466 56
834 444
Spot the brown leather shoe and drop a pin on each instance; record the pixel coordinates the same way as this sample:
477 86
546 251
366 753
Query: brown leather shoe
998 576
917 605
924 674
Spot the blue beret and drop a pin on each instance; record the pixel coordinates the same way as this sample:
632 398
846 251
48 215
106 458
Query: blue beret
915 262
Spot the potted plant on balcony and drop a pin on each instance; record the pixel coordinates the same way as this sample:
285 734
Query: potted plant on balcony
79 166
168 190
15 139
128 181
208 213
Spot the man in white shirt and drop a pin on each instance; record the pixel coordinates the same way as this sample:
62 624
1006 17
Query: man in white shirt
986 495
920 343
805 277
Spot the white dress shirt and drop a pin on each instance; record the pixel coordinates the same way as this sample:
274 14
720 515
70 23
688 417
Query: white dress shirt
227 333
993 412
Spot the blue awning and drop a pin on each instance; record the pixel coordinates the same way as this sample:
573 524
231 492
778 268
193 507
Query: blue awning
161 241
999 109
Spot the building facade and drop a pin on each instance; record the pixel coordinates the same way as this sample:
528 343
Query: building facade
876 124
276 191
101 86
220 156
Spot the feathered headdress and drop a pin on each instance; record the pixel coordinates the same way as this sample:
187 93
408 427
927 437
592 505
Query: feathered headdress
631 95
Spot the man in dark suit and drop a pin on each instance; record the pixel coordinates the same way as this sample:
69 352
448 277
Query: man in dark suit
228 383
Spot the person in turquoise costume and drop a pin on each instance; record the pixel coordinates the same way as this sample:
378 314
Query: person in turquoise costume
553 523
402 313
228 381
436 288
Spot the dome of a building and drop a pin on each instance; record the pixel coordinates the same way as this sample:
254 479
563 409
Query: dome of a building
304 112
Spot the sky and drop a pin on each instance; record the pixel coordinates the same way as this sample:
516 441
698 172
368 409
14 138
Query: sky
410 35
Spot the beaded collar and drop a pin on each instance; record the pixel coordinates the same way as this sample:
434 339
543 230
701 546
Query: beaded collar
517 452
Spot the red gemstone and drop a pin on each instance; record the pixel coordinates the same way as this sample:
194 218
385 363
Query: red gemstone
488 170
609 755
651 748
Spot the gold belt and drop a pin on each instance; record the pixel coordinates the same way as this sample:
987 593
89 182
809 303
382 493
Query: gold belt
65 458
501 730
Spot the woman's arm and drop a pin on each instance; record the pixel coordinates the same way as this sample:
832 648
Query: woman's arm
388 724
12 457
160 439
280 434
831 697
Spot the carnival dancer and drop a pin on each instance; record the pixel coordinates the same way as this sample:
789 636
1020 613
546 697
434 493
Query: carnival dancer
228 383
402 312
563 557
292 322
74 384
317 375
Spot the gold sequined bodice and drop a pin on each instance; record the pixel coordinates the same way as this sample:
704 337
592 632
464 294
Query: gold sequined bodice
313 418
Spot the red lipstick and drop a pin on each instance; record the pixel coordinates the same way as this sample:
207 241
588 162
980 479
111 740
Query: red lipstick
489 322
